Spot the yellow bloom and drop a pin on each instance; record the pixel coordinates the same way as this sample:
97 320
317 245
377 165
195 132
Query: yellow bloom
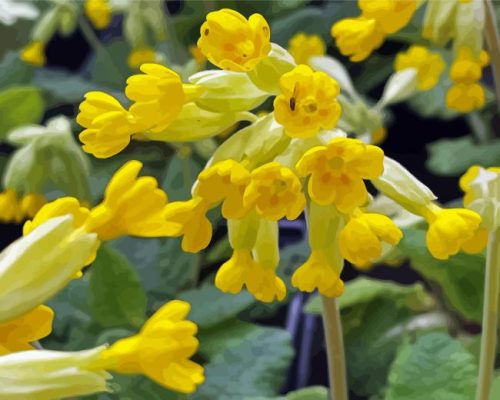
467 68
357 37
337 171
275 192
465 98
10 209
307 102
16 334
224 181
318 272
302 47
34 54
31 203
98 12
379 135
449 230
158 95
232 42
161 350
391 15
131 206
108 125
429 65
190 219
361 237
140 56
197 54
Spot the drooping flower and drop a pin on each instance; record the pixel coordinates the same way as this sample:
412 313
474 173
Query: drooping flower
429 65
307 102
275 192
336 172
98 12
302 47
232 42
34 54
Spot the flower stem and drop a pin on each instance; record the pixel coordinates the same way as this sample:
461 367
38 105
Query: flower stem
490 317
334 349
493 42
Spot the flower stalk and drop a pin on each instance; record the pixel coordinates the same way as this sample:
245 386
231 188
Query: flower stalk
493 42
490 317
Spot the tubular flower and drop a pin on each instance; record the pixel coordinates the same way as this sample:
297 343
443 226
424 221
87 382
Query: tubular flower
337 171
450 230
361 237
161 350
108 125
224 181
98 12
189 218
140 56
34 54
158 95
275 192
302 47
391 15
254 260
16 334
131 206
429 65
358 37
15 210
307 102
232 42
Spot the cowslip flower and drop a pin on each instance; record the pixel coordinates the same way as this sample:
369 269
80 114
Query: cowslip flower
14 209
224 182
336 172
307 102
391 15
139 56
38 265
302 47
161 350
34 54
275 192
232 42
158 95
98 12
465 98
429 65
17 334
362 236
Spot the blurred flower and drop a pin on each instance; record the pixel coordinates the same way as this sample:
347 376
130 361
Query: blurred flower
465 98
12 10
429 65
302 47
139 56
391 15
98 12
307 102
15 210
34 54
232 42
197 54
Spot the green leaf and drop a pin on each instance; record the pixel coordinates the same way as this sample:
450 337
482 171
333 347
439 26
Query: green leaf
461 277
181 173
133 387
310 393
116 296
19 105
255 367
443 153
210 307
110 66
14 71
434 367
364 290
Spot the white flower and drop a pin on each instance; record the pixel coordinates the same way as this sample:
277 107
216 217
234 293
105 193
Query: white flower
12 10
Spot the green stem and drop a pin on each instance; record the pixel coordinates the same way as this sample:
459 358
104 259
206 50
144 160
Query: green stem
478 126
493 42
490 317
334 349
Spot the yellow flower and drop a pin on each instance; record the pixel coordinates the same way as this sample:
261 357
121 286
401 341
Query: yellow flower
302 47
10 209
140 56
465 98
17 334
190 219
131 206
429 65
161 350
197 54
307 102
357 37
318 272
108 125
449 230
232 42
98 12
379 135
224 181
34 54
360 239
467 68
158 95
391 15
337 171
275 192
31 203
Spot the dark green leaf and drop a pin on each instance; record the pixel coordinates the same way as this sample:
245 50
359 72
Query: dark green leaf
181 173
14 71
